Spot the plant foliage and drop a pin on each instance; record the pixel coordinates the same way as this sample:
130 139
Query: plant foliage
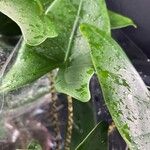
75 38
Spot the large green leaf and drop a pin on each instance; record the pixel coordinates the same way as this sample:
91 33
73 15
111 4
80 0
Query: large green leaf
75 73
35 25
74 76
124 91
119 21
96 139
51 51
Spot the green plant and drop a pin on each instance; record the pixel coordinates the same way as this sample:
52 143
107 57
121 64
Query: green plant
75 37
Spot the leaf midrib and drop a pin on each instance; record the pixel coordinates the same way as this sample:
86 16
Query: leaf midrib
75 25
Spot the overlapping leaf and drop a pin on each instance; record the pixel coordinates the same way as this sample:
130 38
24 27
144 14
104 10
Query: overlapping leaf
124 91
69 51
73 78
35 25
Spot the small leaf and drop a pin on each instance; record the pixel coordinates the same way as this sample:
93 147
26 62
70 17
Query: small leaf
119 21
96 139
124 91
35 25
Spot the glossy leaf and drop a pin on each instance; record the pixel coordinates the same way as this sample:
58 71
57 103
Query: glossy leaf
119 21
27 65
74 76
124 91
96 139
83 122
35 25
65 14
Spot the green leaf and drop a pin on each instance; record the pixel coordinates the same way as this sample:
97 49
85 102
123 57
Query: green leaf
74 76
96 139
35 25
67 16
124 91
83 122
27 66
119 21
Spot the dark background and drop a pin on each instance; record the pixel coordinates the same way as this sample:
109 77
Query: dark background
139 11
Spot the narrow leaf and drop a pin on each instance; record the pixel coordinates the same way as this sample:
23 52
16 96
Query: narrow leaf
124 91
35 25
96 139
119 21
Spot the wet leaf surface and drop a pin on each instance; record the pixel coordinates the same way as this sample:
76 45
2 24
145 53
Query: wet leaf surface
69 50
73 78
120 84
30 16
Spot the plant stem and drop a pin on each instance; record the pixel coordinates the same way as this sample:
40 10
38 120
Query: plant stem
54 99
69 124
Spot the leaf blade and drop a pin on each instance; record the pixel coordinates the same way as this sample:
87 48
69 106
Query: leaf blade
79 58
36 27
118 21
27 66
120 84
